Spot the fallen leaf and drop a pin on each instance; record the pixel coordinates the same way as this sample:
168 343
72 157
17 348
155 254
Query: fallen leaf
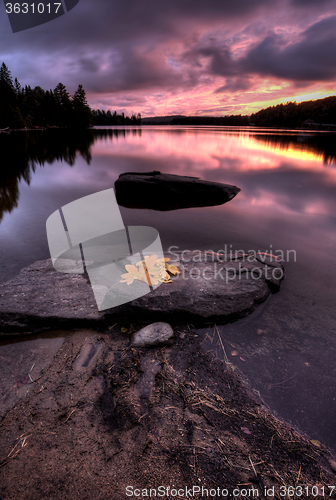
315 443
157 269
131 269
172 269
151 261
127 278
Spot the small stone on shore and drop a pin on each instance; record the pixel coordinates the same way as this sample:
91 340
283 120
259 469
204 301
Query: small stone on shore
154 334
332 464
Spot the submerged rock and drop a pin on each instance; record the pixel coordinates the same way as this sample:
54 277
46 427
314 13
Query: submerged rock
158 191
208 290
153 335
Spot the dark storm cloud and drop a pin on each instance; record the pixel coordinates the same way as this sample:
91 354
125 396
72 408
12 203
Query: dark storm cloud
113 46
311 3
88 64
235 84
93 22
221 61
131 69
311 58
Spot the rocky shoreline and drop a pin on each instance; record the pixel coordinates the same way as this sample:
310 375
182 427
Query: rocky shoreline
107 415
127 405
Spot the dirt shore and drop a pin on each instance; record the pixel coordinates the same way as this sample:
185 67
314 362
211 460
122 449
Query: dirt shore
106 420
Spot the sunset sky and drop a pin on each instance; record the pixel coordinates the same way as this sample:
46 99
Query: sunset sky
192 57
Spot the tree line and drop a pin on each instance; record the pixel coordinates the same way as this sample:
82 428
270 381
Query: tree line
26 107
307 114
101 117
233 120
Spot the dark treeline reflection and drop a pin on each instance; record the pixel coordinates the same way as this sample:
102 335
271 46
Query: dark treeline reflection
22 152
110 133
322 144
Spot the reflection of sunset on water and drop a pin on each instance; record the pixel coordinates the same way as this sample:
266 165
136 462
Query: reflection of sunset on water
202 148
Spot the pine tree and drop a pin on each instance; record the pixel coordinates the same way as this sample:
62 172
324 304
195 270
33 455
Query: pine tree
82 115
17 86
6 77
8 99
62 99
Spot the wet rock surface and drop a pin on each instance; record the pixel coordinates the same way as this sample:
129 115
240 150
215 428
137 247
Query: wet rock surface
153 335
208 288
157 191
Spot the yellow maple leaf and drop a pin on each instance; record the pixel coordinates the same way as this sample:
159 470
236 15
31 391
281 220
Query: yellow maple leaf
127 278
131 269
172 269
150 261
164 259
150 267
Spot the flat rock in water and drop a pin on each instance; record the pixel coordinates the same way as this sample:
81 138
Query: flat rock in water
157 191
208 290
154 334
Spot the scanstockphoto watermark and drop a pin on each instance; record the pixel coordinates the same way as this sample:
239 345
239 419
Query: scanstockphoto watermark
227 253
228 264
191 492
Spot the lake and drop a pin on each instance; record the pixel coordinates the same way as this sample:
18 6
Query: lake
287 348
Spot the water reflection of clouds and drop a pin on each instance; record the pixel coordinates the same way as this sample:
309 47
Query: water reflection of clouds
294 190
270 174
205 147
286 192
311 236
280 194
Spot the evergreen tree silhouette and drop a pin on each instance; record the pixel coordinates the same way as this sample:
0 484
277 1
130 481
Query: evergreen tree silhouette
36 108
10 115
82 114
62 99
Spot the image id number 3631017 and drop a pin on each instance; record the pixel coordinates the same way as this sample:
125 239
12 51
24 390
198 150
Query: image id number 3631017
32 8
307 491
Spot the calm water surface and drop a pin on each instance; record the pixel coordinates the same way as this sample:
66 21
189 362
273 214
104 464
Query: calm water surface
287 202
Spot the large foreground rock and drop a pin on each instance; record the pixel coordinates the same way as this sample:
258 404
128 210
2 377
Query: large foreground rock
206 290
158 191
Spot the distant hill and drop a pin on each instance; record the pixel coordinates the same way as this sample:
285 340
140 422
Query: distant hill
308 114
233 120
196 120
160 120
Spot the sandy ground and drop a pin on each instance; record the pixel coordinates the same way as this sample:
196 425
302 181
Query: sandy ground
104 420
